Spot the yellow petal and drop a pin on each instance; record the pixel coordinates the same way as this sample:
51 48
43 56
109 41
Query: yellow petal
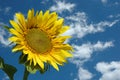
46 15
56 27
52 62
22 21
63 46
25 51
51 21
14 39
17 47
60 39
58 57
30 14
40 63
43 57
34 60
30 56
54 65
60 21
62 30
36 14
45 19
16 26
39 18
66 53
14 32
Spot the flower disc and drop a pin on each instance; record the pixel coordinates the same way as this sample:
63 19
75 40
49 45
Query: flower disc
38 40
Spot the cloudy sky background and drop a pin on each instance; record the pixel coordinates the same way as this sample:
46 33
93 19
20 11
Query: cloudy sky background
94 27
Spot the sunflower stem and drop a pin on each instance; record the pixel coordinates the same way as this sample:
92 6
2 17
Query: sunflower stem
26 73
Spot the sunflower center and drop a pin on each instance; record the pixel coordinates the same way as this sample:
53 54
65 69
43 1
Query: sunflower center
38 40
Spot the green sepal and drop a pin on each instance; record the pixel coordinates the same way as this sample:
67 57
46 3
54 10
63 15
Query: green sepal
22 58
6 27
32 71
8 69
42 71
30 65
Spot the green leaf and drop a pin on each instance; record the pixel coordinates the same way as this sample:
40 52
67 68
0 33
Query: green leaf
8 69
1 63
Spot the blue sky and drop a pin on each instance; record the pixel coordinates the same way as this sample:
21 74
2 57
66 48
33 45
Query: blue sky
94 27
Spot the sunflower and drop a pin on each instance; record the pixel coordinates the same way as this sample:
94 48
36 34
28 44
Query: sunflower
39 38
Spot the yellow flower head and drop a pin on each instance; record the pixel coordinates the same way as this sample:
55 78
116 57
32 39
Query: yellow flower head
39 38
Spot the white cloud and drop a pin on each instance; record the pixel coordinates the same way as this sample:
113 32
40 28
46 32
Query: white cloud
62 6
104 1
117 3
110 16
114 16
80 27
84 74
5 10
44 1
84 52
5 77
3 36
109 71
110 4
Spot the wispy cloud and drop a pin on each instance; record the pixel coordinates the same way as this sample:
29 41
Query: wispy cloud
117 3
84 52
5 10
110 4
109 71
84 74
114 16
80 27
104 1
3 36
62 6
44 1
5 77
